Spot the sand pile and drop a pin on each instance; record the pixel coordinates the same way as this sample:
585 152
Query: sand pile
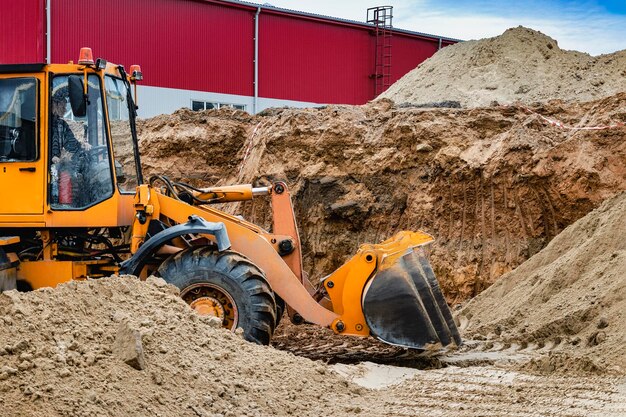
494 185
73 351
519 65
570 297
121 347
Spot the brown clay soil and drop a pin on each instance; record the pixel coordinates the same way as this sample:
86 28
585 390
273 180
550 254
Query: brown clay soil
59 357
494 185
519 65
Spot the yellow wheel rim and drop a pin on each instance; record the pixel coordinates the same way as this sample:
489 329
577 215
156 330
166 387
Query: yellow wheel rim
209 299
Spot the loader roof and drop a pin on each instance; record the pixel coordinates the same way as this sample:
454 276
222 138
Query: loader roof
11 68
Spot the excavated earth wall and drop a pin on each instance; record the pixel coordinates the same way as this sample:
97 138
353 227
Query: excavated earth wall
494 185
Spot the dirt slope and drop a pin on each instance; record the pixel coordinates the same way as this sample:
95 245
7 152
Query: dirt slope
494 185
571 295
57 358
519 65
60 356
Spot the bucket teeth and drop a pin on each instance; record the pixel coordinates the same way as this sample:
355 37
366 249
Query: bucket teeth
403 305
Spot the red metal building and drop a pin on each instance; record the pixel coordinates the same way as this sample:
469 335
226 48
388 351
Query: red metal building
205 53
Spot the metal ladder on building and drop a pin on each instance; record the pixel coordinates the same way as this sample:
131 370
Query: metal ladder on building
381 18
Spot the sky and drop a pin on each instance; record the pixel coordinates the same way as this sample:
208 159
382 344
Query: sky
592 26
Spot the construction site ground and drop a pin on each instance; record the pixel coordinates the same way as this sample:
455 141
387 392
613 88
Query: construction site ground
60 358
524 192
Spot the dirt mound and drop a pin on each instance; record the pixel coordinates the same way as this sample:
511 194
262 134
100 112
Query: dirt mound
519 65
198 146
118 346
494 185
570 296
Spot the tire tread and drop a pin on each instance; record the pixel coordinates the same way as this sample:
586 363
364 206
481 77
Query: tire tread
199 264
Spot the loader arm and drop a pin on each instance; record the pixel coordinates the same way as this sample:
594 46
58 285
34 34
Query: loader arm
258 245
387 290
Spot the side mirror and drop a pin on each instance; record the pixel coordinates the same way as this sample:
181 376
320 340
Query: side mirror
78 101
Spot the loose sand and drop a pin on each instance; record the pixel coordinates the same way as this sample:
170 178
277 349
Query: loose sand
519 65
570 298
59 358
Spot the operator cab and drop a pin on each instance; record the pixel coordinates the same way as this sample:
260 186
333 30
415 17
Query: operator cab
81 172
68 143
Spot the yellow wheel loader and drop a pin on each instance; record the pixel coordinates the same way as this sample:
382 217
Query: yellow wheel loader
75 206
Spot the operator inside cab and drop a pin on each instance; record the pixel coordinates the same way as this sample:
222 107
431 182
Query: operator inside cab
80 171
62 137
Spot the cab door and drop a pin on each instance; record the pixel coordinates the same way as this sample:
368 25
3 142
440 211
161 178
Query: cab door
22 166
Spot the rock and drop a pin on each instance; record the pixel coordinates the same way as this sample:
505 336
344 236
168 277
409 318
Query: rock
128 346
343 206
156 281
423 147
8 370
91 396
328 180
19 346
214 322
239 332
25 365
90 359
602 323
118 316
64 372
157 378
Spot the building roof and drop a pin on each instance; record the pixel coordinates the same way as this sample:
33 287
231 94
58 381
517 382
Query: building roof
279 10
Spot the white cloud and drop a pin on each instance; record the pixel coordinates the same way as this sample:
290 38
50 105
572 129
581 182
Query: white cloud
581 26
597 36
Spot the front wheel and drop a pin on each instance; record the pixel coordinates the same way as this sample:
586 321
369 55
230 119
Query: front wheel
226 285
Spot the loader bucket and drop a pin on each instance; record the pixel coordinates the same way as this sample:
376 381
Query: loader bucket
403 305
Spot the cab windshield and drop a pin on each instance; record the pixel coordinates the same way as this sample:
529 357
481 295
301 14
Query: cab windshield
121 134
80 171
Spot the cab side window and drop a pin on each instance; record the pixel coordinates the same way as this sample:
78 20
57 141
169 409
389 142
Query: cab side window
18 119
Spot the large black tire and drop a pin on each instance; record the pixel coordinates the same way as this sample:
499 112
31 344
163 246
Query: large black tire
201 273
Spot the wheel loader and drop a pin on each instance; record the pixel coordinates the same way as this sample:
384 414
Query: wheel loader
75 206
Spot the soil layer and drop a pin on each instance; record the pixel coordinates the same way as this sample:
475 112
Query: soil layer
493 185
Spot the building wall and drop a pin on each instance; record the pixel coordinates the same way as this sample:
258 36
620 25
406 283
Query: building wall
153 101
181 44
205 48
409 52
314 61
22 30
